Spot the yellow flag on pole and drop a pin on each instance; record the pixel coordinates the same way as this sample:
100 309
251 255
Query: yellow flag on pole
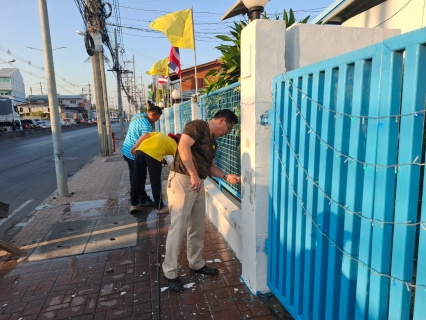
178 28
160 68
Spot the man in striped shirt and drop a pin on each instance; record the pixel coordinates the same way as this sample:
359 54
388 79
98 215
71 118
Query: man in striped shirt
140 124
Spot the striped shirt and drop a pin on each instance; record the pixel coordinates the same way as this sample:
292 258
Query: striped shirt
139 124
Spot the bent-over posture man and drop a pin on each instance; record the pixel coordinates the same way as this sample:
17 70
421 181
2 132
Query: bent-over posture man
149 154
194 161
140 125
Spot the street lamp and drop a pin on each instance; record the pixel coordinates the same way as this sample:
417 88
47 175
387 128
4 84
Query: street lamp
175 94
10 61
161 104
255 8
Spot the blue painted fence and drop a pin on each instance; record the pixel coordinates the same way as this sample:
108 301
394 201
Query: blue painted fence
346 233
171 112
228 154
185 113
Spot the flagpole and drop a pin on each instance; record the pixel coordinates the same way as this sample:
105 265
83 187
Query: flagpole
195 54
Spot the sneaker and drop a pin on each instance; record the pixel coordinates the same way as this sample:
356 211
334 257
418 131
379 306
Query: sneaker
164 209
208 271
147 203
133 209
175 284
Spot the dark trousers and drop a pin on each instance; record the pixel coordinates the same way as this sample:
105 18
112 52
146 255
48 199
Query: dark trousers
141 196
140 165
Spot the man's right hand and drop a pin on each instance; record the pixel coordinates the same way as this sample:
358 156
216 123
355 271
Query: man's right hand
195 182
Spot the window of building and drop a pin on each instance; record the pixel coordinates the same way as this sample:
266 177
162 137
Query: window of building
60 101
73 101
4 79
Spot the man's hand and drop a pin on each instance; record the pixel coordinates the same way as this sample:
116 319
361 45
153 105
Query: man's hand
233 178
133 151
195 182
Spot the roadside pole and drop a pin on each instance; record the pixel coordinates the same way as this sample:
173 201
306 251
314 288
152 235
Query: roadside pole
106 109
97 77
120 102
61 174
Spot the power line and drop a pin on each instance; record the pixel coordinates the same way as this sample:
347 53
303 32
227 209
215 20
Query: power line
393 14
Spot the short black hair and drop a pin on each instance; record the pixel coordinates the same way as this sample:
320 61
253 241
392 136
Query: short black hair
155 109
229 116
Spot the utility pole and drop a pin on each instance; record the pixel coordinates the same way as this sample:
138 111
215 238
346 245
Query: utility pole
41 89
61 175
135 87
105 95
120 102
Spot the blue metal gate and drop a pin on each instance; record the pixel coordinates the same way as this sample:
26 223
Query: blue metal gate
347 227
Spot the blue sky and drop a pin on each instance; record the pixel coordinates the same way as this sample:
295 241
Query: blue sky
21 29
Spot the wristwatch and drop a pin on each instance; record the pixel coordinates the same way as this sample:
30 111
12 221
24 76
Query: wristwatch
225 175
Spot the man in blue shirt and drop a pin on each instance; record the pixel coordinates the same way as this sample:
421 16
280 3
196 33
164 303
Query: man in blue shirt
140 124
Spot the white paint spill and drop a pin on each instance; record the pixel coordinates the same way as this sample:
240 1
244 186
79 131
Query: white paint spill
209 261
183 275
189 285
162 255
217 260
164 288
73 295
43 207
235 289
5 305
124 292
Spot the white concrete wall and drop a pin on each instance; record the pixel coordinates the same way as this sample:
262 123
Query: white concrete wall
409 18
225 214
262 58
307 43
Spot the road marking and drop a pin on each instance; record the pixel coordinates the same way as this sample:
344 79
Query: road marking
16 210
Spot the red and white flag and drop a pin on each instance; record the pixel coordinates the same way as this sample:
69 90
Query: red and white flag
174 60
162 80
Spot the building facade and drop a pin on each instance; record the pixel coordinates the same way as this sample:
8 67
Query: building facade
388 14
12 85
71 106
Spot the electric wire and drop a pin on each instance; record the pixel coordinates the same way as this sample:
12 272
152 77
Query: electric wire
393 14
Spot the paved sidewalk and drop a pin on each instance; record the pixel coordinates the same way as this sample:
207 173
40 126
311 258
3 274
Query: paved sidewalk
89 259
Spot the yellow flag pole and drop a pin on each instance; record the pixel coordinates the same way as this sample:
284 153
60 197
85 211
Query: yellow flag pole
195 55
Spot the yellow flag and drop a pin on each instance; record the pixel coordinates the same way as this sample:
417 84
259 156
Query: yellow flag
160 68
177 26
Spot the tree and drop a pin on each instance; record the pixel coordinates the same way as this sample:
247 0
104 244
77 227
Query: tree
230 70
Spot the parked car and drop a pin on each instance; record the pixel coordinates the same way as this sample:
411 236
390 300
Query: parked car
29 124
44 123
68 121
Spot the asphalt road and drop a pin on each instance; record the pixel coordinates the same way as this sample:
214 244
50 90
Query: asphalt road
27 171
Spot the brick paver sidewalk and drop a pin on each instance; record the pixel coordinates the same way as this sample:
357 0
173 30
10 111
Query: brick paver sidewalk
120 283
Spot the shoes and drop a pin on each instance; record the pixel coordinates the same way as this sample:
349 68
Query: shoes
208 271
147 203
175 284
133 209
164 209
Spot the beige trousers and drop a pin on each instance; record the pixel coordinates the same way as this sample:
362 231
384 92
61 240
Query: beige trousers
187 213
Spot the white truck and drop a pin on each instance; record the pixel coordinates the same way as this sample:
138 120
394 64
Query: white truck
9 116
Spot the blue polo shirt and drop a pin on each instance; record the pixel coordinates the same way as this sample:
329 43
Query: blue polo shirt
139 124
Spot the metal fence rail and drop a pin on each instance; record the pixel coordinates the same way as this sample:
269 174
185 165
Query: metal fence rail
185 113
345 223
228 154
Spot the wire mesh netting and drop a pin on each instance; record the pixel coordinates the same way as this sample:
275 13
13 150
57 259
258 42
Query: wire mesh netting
171 120
228 153
185 113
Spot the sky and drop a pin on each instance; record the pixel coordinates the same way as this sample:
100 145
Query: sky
21 30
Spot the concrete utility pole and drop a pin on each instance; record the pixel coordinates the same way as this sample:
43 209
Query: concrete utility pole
100 108
120 102
135 87
41 89
61 174
105 95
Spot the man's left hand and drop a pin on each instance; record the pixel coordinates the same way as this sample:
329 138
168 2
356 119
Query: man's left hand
233 178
